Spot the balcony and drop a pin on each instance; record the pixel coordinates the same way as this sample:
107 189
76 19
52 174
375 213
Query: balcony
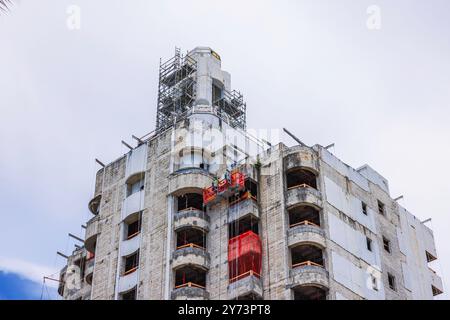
133 203
303 193
191 217
306 232
248 284
128 280
242 208
130 245
190 254
300 156
94 204
309 273
189 180
190 291
136 161
92 231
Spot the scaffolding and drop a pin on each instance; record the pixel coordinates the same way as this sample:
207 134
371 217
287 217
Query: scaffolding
176 89
177 93
232 108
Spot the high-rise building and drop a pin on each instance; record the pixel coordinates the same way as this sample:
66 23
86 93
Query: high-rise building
202 209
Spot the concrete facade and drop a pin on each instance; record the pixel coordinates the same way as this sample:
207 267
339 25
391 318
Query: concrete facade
356 242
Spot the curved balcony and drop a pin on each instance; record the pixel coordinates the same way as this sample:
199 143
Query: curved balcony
191 217
89 270
189 180
190 254
300 156
248 285
306 232
128 280
129 246
133 203
243 208
309 273
136 162
190 291
303 194
94 204
92 231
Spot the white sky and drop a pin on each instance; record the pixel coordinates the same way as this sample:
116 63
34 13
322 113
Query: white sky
69 96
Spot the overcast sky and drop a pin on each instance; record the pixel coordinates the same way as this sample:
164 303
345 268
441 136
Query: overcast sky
68 96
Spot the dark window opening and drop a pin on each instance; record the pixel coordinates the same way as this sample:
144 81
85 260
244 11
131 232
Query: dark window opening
304 255
391 281
386 245
133 226
190 200
217 92
192 236
247 223
309 293
301 177
374 282
130 295
250 191
131 263
189 274
364 208
369 243
381 208
430 257
303 215
435 290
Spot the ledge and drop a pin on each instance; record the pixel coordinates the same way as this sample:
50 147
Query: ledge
303 194
92 231
190 256
94 204
243 208
191 218
301 157
190 292
306 233
189 180
309 275
244 286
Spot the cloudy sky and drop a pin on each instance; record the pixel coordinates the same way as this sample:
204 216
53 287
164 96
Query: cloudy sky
68 96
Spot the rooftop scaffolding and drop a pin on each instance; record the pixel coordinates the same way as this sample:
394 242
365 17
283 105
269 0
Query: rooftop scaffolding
176 90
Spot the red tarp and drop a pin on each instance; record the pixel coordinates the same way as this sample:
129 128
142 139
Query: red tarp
244 255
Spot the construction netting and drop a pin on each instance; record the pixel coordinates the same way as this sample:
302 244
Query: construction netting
244 256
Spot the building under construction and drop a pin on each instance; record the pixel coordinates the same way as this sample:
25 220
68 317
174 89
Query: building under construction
201 209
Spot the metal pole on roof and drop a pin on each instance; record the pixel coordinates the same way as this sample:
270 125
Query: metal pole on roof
294 137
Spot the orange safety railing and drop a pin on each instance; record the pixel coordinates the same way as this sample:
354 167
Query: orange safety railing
303 185
190 285
245 196
130 271
243 275
133 235
306 263
305 222
191 245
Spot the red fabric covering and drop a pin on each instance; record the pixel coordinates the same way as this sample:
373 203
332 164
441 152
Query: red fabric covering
244 255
